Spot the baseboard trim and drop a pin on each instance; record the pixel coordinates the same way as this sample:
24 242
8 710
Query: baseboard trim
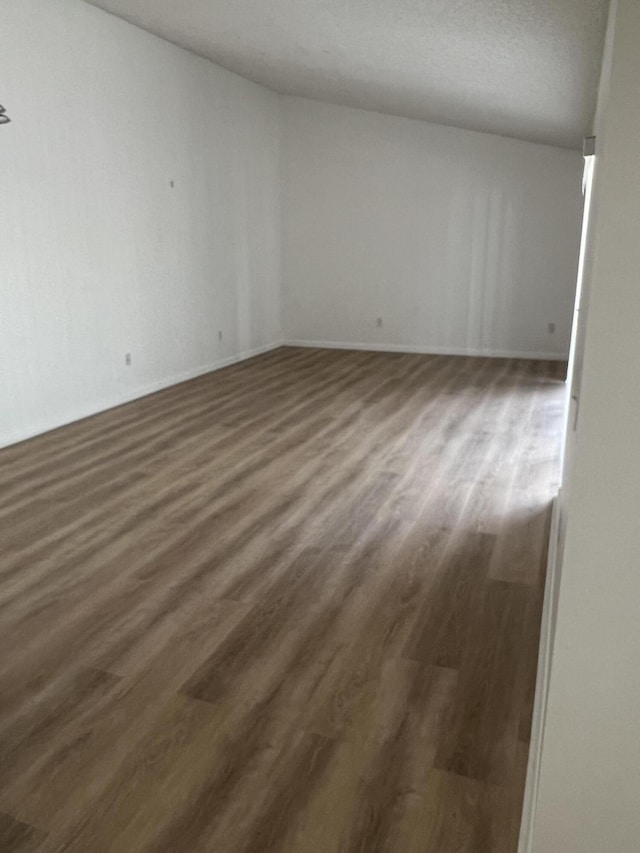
135 394
431 350
525 844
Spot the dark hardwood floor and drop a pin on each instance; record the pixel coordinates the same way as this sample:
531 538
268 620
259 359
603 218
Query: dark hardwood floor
293 605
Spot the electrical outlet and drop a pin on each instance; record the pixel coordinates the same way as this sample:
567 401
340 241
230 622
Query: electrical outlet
220 335
379 322
551 328
127 359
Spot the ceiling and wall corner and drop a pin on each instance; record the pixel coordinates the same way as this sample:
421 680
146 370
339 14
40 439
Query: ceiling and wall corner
134 233
528 69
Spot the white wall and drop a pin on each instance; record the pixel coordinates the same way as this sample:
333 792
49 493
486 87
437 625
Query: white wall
590 779
460 241
99 256
585 272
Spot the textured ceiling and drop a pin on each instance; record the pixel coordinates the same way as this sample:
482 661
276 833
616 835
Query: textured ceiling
522 68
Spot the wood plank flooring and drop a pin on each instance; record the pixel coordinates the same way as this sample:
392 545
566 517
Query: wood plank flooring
292 606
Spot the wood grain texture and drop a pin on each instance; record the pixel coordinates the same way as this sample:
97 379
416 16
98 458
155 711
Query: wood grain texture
293 605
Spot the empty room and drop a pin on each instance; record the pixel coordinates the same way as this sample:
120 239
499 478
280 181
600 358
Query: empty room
319 471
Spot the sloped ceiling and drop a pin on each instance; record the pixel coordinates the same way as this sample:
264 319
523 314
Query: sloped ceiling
522 68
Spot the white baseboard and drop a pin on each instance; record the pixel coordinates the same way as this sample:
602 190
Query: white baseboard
525 844
78 414
133 394
428 350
